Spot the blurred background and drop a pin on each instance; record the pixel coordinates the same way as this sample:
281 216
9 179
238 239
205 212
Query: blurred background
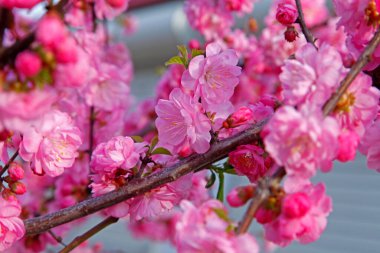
354 225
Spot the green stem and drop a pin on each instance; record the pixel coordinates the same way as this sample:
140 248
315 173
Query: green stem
220 195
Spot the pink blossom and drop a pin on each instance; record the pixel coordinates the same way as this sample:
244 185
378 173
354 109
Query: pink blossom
302 141
303 217
15 171
312 76
11 226
210 18
51 31
286 13
181 119
358 107
26 107
214 77
109 9
240 6
240 195
28 63
51 144
118 152
348 143
160 200
249 161
369 146
19 3
205 229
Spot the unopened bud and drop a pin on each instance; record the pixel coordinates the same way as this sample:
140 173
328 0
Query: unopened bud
18 188
16 172
291 34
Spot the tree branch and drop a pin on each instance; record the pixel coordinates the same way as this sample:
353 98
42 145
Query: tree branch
301 20
82 238
364 58
9 163
137 187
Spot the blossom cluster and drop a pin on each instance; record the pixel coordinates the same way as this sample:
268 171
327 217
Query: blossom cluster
67 132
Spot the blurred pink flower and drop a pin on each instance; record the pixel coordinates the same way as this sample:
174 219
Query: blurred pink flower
369 146
181 119
51 144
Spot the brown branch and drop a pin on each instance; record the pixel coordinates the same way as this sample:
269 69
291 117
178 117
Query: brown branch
57 238
301 20
82 238
8 54
364 58
327 109
9 163
137 187
262 193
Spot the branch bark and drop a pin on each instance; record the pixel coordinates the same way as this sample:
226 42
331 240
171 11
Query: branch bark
301 20
137 187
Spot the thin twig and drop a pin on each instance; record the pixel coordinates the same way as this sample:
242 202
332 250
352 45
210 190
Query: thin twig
301 20
57 238
137 187
84 237
91 132
364 58
327 109
9 163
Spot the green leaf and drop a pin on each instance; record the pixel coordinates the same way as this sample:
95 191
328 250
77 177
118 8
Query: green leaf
161 151
221 214
174 60
196 52
211 180
220 194
183 50
137 138
153 143
43 77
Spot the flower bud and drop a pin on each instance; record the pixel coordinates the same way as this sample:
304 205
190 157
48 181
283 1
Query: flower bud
28 63
240 195
264 215
238 118
18 188
286 14
291 34
15 171
295 205
194 44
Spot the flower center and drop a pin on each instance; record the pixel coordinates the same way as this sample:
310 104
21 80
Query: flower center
345 103
372 13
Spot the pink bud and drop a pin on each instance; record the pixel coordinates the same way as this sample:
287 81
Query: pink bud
238 118
28 63
194 44
51 30
234 5
291 34
116 3
295 205
264 215
66 51
18 188
348 142
286 14
15 171
240 195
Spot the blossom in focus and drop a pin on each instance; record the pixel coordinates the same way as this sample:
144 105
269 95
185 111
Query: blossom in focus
286 13
251 161
214 77
11 226
180 120
303 216
313 76
302 141
206 229
369 146
51 144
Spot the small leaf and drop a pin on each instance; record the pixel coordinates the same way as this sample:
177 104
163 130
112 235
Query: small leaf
220 194
153 143
137 138
174 60
161 151
196 52
221 214
211 180
183 50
